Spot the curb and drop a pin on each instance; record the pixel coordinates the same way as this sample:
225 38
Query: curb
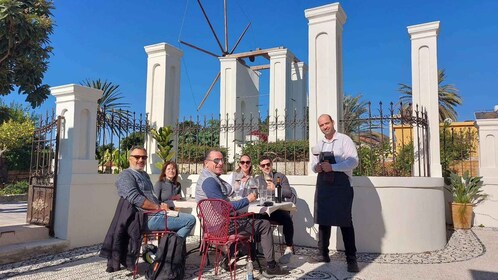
13 198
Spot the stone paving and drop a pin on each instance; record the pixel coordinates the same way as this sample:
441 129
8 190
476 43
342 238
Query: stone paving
84 263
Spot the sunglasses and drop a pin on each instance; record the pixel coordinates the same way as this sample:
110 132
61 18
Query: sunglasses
216 160
263 165
139 157
245 162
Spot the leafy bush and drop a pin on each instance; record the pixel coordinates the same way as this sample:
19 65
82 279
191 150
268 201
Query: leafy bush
16 188
293 150
191 153
403 163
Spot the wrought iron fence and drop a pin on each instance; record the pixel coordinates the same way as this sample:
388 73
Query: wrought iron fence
281 136
459 148
117 132
391 141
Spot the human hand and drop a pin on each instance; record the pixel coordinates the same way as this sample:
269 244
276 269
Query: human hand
270 186
326 167
163 206
176 197
318 168
251 197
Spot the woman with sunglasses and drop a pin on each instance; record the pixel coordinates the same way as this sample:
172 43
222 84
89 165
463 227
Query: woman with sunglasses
242 178
168 189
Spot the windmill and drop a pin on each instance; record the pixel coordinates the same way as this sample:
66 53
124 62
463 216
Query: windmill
225 50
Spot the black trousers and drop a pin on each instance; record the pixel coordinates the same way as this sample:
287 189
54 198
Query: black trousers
347 238
285 219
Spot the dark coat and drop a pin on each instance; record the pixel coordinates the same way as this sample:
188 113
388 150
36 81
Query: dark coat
122 241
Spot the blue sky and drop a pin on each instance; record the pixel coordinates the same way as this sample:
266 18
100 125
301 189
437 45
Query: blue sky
105 39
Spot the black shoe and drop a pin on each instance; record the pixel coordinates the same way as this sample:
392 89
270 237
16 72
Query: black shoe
271 272
320 259
353 266
224 264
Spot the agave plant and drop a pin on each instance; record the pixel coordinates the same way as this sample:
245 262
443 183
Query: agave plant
466 189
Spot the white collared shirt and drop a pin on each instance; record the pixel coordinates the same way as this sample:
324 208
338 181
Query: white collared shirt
344 149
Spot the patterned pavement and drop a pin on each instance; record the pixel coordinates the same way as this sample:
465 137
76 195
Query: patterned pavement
84 263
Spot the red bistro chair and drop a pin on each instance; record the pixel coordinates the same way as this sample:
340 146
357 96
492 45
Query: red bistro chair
218 217
149 235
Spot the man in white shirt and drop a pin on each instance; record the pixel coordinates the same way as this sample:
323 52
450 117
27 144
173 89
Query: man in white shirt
334 158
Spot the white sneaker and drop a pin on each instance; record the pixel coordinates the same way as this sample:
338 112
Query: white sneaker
285 258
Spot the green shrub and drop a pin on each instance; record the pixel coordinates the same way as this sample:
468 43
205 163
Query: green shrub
15 188
292 150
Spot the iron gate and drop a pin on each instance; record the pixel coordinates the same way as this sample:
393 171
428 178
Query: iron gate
43 172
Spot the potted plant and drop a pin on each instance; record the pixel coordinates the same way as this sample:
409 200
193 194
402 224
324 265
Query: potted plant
466 192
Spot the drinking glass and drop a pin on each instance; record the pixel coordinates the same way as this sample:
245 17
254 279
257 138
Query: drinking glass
263 192
252 186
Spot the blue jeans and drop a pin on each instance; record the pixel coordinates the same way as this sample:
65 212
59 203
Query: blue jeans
182 225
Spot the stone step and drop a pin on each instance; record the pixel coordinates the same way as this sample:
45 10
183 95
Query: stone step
15 234
23 251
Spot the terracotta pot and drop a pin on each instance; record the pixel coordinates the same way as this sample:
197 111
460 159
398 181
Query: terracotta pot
461 214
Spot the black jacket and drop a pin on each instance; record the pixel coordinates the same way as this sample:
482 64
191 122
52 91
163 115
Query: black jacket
122 241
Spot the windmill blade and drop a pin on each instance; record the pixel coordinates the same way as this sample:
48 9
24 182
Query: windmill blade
211 27
240 38
199 49
209 90
225 14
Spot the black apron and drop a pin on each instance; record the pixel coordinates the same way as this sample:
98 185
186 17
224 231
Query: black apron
333 198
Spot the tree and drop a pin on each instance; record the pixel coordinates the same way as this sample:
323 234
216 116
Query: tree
447 95
25 48
354 108
111 113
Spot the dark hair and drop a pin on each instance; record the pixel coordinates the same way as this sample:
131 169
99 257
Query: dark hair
265 158
206 155
165 165
250 168
137 148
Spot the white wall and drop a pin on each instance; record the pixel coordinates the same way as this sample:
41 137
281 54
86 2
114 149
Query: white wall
486 213
391 215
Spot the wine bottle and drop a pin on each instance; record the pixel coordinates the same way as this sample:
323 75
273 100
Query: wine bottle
278 187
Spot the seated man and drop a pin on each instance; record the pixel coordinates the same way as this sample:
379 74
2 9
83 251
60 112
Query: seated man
210 185
282 217
135 186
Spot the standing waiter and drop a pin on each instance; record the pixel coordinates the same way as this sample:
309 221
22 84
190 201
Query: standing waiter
334 158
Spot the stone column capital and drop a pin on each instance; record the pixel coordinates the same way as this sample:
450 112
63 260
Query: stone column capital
424 30
325 13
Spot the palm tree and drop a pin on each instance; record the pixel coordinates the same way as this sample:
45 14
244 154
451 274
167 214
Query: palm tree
354 108
112 113
447 95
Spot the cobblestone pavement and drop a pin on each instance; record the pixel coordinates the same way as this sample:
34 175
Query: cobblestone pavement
464 257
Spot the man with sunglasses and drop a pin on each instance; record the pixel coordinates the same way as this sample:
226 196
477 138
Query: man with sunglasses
210 185
334 158
134 185
282 217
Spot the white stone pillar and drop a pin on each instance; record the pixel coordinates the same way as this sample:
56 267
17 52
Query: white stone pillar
162 93
425 90
297 101
280 85
239 92
326 90
78 105
488 147
486 212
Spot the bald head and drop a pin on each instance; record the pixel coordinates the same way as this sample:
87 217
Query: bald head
326 124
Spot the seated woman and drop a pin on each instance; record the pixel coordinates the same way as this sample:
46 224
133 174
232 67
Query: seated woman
242 179
168 189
